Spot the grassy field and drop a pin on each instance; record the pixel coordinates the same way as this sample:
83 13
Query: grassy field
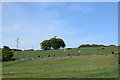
63 67
0 64
45 53
80 67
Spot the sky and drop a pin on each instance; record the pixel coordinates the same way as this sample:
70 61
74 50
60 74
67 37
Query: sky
75 22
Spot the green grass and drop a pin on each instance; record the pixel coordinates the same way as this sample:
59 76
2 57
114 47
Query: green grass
65 67
0 64
79 67
45 53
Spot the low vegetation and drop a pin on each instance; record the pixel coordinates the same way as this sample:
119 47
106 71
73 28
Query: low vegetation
66 67
7 53
66 62
96 45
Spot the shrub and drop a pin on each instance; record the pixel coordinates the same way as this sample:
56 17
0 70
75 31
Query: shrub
69 48
48 55
68 54
7 53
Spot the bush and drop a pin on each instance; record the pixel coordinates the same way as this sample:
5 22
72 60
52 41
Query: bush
48 55
69 48
93 45
29 50
16 49
7 53
68 54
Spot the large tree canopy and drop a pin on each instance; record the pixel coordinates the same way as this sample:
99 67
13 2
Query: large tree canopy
7 53
46 45
54 43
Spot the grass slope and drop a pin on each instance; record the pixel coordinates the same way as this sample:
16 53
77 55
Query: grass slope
0 64
61 52
80 67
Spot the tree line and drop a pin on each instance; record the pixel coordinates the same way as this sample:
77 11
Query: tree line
96 45
53 43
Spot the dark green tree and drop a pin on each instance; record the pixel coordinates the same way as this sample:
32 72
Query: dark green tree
7 53
54 43
57 43
92 45
46 45
112 45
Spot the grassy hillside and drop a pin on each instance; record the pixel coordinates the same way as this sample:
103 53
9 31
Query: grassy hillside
80 67
45 53
0 64
0 54
63 67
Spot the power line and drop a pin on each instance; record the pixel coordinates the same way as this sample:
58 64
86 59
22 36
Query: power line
33 47
17 43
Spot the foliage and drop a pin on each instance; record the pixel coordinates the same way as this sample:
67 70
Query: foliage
112 45
16 49
93 45
46 45
29 50
117 52
69 48
54 43
7 53
96 45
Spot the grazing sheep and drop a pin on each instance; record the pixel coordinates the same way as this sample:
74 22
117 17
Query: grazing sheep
102 48
98 49
38 56
48 55
68 54
64 49
112 52
84 54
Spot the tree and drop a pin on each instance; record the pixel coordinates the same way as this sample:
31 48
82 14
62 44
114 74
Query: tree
93 45
112 45
46 45
54 43
7 53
